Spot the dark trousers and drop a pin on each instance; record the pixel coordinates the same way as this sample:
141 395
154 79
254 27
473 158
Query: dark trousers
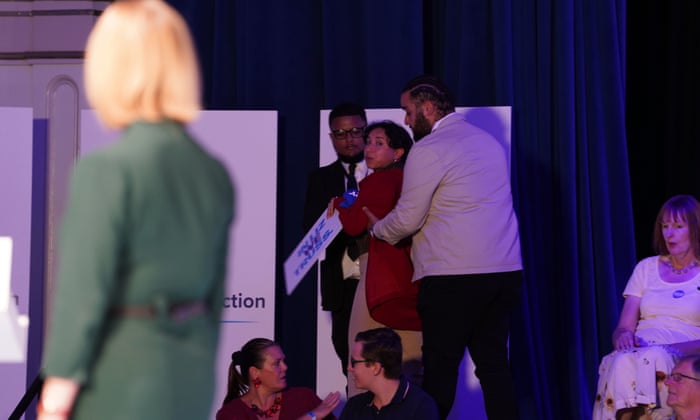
340 324
469 311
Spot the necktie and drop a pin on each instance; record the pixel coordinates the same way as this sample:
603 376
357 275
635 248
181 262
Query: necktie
353 250
352 182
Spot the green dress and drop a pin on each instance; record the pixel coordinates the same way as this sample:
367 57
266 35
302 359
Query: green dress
147 223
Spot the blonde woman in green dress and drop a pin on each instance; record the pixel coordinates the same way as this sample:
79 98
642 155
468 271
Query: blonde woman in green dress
143 246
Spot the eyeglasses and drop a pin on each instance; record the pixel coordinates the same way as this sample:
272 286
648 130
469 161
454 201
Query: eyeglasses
353 362
676 377
355 132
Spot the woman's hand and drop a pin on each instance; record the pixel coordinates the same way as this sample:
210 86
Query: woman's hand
331 208
623 339
371 218
327 405
57 397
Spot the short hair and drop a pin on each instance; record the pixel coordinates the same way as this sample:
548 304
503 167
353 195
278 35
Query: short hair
140 63
347 109
694 360
679 207
251 354
430 88
383 346
398 137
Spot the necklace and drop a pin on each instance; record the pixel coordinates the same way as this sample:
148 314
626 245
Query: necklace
270 411
679 271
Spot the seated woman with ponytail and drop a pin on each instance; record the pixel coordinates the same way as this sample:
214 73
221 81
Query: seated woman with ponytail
257 389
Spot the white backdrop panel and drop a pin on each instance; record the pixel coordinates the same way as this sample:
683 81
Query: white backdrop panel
15 221
249 306
469 401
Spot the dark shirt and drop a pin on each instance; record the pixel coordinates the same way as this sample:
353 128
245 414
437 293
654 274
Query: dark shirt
409 402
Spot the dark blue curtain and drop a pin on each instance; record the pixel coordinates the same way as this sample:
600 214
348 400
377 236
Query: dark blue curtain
572 187
559 63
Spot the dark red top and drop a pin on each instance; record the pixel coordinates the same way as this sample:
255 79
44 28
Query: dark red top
295 403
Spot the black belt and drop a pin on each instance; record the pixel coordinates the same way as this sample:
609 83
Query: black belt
176 312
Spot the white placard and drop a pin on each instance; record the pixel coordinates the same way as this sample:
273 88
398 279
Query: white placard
310 249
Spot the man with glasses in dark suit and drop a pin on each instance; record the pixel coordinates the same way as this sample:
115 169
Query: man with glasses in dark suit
340 268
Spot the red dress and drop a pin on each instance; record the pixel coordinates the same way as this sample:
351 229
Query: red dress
391 296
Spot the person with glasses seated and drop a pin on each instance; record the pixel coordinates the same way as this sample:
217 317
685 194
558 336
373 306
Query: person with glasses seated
684 388
375 365
660 319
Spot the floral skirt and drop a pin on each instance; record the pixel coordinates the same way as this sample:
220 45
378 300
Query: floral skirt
629 378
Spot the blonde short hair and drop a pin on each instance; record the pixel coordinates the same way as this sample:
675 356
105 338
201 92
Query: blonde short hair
140 64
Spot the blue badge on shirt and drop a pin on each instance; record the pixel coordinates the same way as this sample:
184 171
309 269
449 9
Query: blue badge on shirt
678 294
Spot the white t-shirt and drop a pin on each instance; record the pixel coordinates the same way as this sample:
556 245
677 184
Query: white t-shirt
669 312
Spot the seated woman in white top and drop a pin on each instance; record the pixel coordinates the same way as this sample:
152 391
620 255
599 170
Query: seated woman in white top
660 319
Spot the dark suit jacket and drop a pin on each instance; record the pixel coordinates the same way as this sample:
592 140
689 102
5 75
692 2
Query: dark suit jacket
325 183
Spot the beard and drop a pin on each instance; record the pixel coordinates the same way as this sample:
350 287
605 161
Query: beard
352 159
421 126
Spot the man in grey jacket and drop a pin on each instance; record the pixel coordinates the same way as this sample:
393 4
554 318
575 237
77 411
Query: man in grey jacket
456 203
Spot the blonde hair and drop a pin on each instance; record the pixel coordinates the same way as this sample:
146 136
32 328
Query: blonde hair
140 64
